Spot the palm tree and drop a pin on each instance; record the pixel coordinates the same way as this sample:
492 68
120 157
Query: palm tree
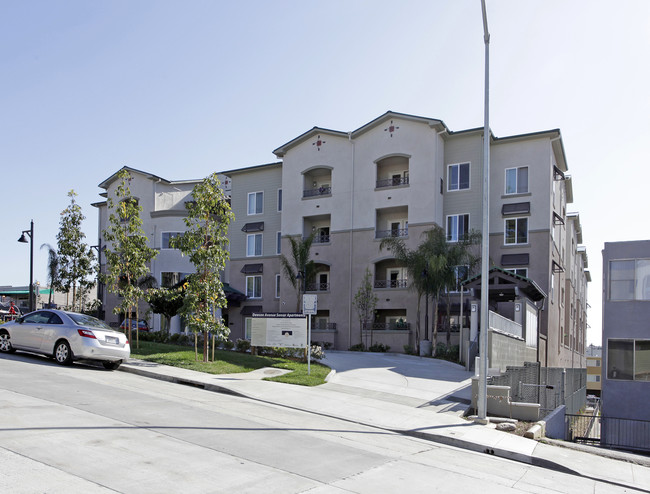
415 264
52 270
299 269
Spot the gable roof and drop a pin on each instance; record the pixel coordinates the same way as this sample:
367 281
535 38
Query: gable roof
106 183
502 283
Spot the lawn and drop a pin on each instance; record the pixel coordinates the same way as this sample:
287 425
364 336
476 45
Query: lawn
229 362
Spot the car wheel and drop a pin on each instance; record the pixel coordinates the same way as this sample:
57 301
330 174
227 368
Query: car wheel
112 365
5 343
63 353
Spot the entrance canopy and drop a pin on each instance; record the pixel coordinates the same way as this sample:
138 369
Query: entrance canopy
504 286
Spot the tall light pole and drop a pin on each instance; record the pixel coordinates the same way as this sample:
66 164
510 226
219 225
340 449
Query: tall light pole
24 240
485 247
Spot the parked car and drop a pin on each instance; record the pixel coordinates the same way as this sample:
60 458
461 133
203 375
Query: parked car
142 325
65 336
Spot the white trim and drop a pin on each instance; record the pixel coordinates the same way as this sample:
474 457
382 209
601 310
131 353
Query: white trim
248 198
505 185
254 277
505 230
469 185
248 237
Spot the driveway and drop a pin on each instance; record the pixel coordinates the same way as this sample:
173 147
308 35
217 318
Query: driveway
405 379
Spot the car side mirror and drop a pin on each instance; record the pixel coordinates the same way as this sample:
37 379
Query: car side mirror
19 320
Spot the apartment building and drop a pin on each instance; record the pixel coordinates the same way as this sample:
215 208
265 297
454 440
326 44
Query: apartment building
625 394
397 176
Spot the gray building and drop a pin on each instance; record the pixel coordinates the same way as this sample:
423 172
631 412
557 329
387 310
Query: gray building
626 343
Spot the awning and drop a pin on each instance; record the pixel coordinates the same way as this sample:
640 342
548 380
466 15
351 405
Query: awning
9 293
515 259
252 268
516 208
253 227
249 310
233 296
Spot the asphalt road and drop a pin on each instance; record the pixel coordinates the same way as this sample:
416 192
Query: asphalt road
84 429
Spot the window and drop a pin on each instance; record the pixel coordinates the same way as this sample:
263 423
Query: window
628 360
629 279
457 227
255 203
254 245
278 243
254 286
516 231
277 285
593 378
166 237
517 180
279 200
461 273
458 176
248 328
519 271
169 279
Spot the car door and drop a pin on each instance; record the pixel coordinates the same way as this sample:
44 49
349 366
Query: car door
51 332
29 333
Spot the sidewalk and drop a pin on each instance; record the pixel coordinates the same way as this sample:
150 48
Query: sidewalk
619 469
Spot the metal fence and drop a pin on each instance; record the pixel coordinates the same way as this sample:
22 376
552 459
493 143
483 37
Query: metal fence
548 386
609 432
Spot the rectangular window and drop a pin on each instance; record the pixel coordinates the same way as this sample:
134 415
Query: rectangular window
516 231
278 243
169 279
458 176
254 286
279 200
277 285
255 203
457 227
166 237
517 180
461 273
629 279
628 360
254 245
248 328
519 271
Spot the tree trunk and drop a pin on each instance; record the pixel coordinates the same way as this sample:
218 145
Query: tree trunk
434 339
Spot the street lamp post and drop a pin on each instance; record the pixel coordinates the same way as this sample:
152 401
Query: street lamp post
24 240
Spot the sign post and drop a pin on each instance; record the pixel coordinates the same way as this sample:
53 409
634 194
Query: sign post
309 308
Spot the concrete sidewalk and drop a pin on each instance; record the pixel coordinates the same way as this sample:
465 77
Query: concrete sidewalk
430 423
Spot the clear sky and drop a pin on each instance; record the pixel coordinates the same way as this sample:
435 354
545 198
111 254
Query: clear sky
184 88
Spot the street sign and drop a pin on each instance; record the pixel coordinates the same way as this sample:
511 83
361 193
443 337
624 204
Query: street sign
309 304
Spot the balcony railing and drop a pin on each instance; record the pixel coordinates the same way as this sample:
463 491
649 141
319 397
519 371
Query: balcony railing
392 326
317 287
322 326
391 283
317 191
394 232
320 239
392 182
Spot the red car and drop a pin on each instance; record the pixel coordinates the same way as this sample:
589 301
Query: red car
142 325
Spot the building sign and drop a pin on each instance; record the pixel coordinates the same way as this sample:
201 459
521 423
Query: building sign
279 330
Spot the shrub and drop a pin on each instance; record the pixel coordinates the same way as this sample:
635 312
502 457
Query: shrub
317 352
359 347
379 348
228 345
409 350
242 345
327 345
451 353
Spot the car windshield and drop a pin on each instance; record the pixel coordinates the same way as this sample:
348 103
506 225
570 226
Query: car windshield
84 320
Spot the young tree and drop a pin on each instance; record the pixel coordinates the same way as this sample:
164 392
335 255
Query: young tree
299 269
52 271
167 301
127 252
76 261
365 302
205 243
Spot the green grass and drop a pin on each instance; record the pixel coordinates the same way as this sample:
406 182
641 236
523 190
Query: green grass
229 362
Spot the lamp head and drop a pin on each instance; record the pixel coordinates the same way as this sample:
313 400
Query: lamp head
23 239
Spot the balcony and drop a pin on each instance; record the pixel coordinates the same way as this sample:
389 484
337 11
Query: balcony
395 181
391 222
393 232
389 326
317 287
392 172
393 283
317 191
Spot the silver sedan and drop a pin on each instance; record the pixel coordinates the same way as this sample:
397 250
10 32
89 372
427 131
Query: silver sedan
66 336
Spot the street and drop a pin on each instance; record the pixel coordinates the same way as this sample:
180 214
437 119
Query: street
84 429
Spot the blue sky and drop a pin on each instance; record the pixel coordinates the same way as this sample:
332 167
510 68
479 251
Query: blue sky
184 88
